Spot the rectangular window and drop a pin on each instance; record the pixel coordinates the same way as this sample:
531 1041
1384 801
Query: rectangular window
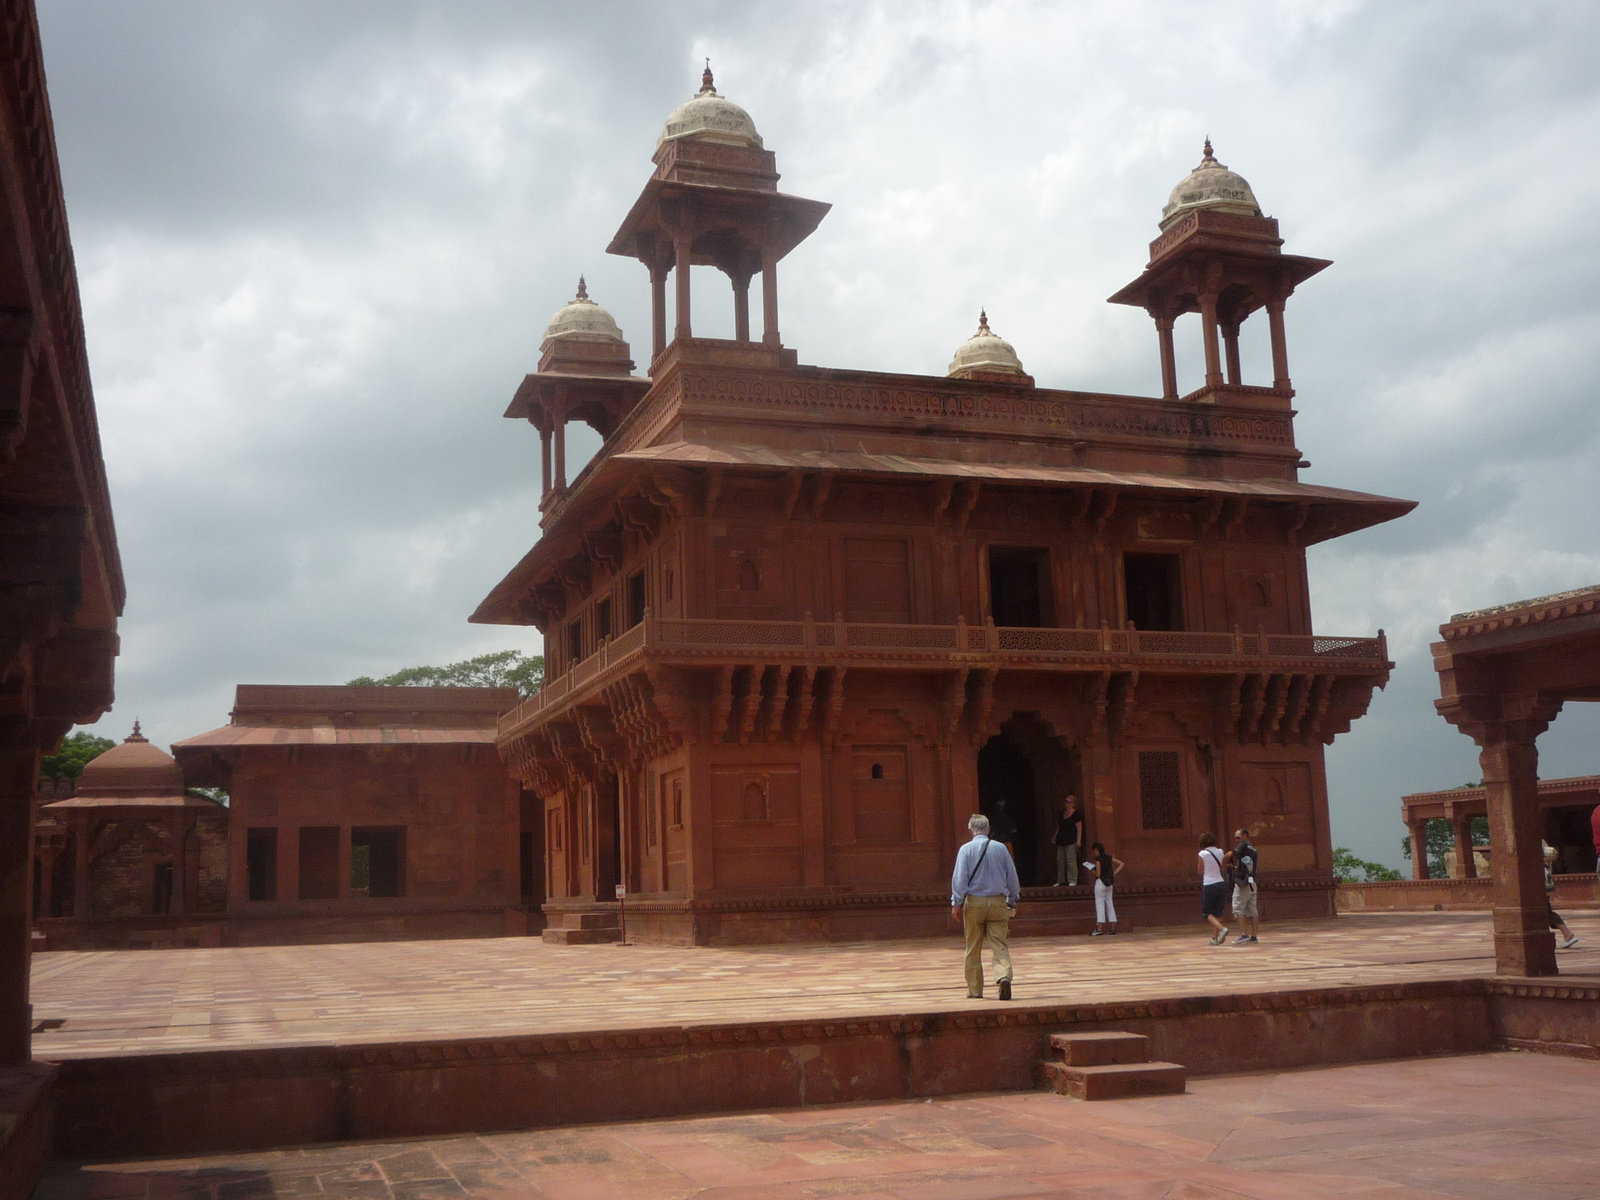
261 863
1152 587
635 598
319 862
1019 582
1160 789
574 643
377 862
602 621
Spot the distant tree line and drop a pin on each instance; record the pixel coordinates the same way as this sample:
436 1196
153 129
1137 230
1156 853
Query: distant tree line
507 668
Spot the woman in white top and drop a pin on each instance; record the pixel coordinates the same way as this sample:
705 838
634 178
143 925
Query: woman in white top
1213 887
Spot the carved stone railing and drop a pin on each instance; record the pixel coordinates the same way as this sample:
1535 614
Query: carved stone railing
960 645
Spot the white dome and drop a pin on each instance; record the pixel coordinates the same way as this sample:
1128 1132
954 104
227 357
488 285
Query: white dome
582 320
1210 185
985 350
710 118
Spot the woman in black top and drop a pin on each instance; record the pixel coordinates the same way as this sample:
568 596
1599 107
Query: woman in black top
1105 868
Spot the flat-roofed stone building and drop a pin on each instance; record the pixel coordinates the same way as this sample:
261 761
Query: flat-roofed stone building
362 813
801 622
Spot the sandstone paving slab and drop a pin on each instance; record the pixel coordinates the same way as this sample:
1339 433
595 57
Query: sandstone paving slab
152 1001
1497 1126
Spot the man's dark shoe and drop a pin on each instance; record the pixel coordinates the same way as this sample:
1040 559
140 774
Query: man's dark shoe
1005 989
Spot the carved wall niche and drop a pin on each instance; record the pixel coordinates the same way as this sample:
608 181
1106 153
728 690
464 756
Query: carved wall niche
675 832
1275 801
749 573
1258 593
755 813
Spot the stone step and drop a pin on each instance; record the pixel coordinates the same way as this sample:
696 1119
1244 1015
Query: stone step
1116 1081
1100 1049
567 936
585 920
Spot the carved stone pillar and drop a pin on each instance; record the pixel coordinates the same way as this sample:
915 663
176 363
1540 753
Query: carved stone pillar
544 462
1169 359
741 307
19 768
81 906
1208 327
1461 828
1230 343
658 308
1523 943
1280 348
1419 849
769 297
684 328
559 423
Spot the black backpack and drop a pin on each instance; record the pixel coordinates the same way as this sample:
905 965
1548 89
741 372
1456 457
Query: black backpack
1244 865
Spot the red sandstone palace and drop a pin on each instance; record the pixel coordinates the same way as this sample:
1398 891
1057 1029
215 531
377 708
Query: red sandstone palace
800 621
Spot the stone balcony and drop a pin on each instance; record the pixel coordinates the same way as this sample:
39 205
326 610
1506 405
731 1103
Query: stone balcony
839 644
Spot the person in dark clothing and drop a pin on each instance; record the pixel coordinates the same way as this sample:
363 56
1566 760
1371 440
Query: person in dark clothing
1003 828
1242 860
1105 868
1068 840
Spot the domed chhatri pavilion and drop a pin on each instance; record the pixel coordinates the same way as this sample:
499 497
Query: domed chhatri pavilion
801 622
131 841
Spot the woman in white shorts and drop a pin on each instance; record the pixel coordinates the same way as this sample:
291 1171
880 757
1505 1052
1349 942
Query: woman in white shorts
1105 868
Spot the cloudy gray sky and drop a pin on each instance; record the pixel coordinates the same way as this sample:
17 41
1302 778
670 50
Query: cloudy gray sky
318 244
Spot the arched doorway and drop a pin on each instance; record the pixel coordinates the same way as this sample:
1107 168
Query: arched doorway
1026 765
1006 775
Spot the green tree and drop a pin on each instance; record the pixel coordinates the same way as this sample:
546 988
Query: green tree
76 751
1350 869
508 668
1442 839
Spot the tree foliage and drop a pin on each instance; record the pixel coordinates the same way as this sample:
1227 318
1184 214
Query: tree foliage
1350 869
76 751
507 668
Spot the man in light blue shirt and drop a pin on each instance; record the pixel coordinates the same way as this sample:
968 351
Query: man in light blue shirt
983 895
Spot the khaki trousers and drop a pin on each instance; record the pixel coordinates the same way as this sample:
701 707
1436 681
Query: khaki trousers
986 917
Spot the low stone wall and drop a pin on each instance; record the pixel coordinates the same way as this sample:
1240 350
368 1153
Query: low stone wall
1453 895
249 1099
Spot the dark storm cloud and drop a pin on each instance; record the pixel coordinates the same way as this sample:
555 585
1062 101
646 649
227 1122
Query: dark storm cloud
318 245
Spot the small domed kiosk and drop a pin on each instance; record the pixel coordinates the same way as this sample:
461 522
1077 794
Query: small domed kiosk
1220 257
987 355
131 841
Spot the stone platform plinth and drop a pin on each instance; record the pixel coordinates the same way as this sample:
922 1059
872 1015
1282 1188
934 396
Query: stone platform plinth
190 1051
27 1098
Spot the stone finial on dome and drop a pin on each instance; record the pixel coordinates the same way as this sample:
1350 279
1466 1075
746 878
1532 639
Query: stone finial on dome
581 319
710 117
136 736
986 354
1212 186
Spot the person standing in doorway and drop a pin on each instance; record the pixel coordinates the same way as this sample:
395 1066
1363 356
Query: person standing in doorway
983 896
1068 839
1213 887
1105 867
1004 828
1242 861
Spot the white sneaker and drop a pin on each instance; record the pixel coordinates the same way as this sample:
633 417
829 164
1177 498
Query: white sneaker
1570 942
1221 939
1097 933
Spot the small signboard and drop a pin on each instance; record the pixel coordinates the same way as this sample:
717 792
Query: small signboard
622 890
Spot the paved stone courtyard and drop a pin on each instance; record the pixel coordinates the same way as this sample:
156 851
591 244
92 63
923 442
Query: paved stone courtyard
1502 1126
118 1002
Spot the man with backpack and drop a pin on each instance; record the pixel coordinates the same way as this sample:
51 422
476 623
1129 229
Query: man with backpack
1242 861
